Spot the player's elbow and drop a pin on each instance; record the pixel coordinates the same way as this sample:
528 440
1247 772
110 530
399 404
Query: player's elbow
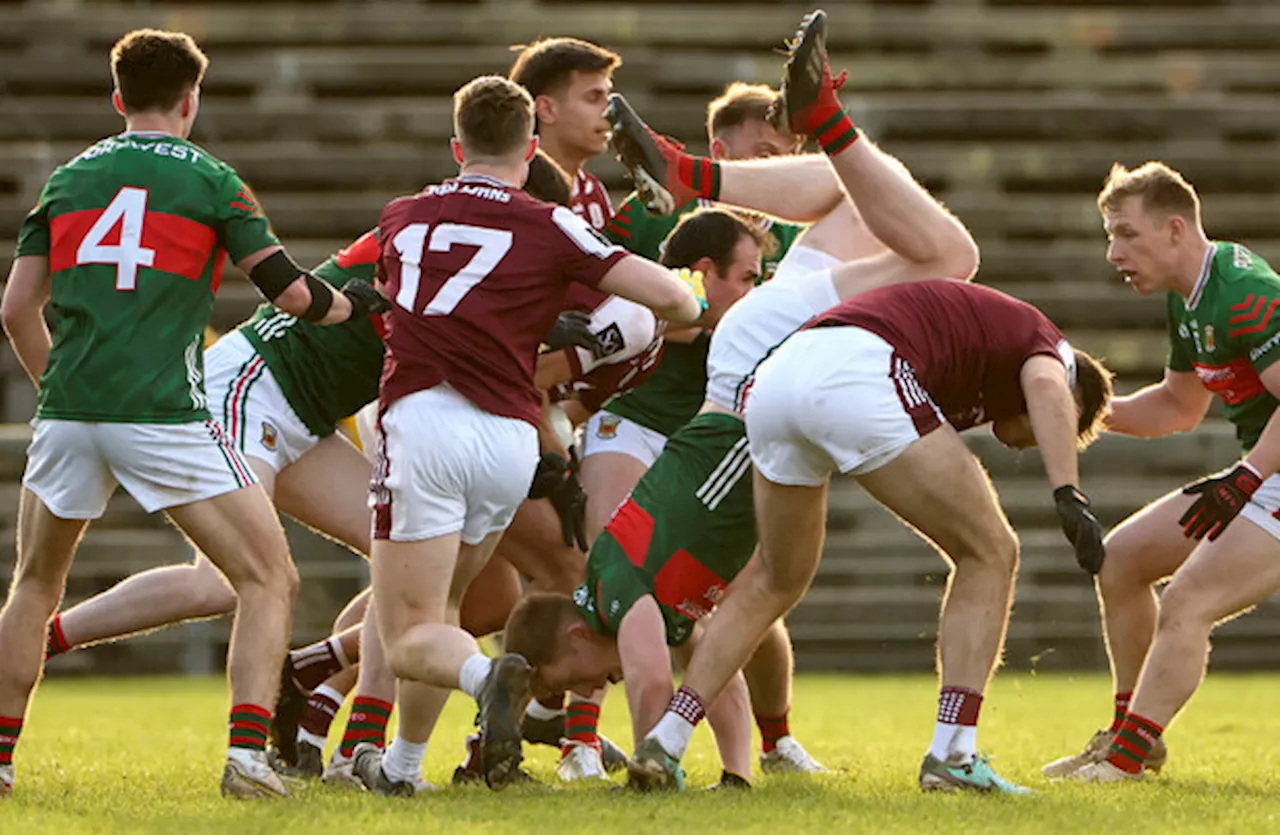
960 256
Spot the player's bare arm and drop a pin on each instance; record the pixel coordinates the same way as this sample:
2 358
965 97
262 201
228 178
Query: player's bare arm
22 312
1175 404
1053 414
296 291
646 664
646 283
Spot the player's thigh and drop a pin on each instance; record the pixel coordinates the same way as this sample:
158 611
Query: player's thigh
492 595
1148 545
46 544
472 560
1222 578
535 545
791 522
412 582
842 235
607 478
241 535
328 489
938 487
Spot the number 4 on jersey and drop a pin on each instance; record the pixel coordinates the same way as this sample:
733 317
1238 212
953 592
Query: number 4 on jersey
128 209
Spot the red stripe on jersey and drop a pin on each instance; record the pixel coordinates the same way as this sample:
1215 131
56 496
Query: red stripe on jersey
632 527
617 230
363 250
182 245
1246 304
688 586
1251 313
1259 326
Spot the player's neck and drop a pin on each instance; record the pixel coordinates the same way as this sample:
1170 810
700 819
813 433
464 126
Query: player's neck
1192 265
566 157
153 123
511 175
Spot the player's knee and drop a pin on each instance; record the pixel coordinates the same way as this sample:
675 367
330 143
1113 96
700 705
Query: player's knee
42 591
210 594
1182 606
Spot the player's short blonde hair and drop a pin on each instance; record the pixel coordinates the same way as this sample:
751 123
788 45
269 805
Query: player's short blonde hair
739 103
1161 188
492 117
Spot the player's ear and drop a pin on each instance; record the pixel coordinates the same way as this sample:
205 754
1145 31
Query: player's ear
532 149
117 102
705 265
544 109
1177 228
717 149
456 147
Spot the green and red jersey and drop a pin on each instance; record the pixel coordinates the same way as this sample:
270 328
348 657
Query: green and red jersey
686 531
326 372
137 229
1228 333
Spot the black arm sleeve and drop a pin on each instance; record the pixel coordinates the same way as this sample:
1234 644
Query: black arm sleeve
274 273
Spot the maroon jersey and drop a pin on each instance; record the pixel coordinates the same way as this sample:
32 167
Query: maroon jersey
590 199
962 343
478 272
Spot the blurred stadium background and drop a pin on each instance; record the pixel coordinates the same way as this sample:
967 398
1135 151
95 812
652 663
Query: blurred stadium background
1011 111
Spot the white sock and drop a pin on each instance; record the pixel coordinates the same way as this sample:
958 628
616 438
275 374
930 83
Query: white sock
403 760
943 734
473 673
336 646
538 710
244 758
673 734
306 736
965 742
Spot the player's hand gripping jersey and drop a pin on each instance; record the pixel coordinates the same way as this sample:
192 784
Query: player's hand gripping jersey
1228 333
137 229
478 272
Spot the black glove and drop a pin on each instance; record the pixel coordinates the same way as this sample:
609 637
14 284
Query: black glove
1081 527
572 328
1222 497
570 502
551 473
365 299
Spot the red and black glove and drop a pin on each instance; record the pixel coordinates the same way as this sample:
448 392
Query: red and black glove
557 479
1222 497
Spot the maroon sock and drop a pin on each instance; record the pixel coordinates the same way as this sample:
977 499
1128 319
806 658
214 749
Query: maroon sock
313 665
321 708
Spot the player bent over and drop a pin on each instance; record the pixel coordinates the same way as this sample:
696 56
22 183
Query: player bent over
135 229
458 440
911 239
1223 340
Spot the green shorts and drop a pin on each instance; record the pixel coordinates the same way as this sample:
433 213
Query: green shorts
686 531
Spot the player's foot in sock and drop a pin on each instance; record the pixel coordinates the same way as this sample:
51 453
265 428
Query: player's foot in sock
1096 751
550 731
6 780
291 706
251 777
807 97
652 160
341 772
651 767
580 761
976 775
1104 772
366 762
789 757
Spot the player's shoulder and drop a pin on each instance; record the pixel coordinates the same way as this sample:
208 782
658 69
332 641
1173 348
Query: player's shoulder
1242 270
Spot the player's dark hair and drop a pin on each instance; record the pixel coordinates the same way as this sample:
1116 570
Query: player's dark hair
738 104
492 117
1094 388
153 70
709 233
547 181
547 66
536 626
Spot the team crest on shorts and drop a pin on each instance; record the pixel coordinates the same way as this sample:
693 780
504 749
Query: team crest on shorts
1208 339
269 436
607 429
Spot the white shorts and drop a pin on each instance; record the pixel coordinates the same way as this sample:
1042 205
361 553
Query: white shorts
246 399
806 420
607 432
1263 508
445 465
74 466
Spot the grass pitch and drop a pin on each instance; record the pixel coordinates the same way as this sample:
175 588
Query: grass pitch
144 755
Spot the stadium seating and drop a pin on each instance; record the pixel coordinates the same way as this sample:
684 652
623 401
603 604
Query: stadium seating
1011 111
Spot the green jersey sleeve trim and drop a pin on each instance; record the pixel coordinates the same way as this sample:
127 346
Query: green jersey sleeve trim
242 225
